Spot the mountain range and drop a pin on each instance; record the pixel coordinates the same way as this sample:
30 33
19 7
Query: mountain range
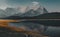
30 11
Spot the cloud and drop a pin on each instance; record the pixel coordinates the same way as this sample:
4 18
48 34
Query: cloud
20 2
35 3
3 4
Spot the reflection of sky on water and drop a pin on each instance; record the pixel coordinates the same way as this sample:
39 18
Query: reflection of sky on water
53 31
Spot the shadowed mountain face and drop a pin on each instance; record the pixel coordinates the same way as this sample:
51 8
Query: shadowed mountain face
11 11
2 13
8 12
32 13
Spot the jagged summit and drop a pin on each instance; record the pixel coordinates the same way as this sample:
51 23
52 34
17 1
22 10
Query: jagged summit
2 13
8 12
11 11
34 9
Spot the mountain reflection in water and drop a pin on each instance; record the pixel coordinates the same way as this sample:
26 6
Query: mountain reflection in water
27 26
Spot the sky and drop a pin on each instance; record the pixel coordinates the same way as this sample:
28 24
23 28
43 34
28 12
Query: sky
50 5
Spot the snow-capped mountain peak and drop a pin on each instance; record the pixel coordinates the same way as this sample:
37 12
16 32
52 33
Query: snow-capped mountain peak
34 9
33 5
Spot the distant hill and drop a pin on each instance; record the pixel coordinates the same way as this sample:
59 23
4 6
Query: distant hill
53 15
